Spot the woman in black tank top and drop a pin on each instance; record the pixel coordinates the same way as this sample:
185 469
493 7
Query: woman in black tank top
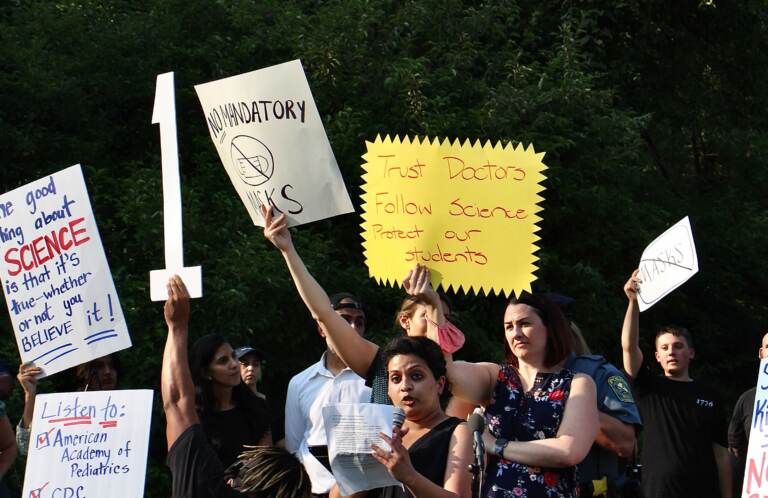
431 452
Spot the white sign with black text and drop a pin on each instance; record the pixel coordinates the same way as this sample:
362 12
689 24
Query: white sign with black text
667 263
272 143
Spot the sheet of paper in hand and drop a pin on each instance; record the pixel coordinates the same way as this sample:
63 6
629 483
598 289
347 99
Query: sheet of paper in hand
667 263
89 444
57 284
272 143
350 429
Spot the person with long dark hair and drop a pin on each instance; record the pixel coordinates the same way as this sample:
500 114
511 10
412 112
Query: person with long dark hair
232 416
196 470
541 418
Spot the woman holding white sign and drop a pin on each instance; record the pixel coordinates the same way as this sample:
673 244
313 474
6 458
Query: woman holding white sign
421 315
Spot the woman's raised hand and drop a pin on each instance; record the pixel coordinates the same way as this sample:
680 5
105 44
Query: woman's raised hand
276 229
417 284
27 377
176 309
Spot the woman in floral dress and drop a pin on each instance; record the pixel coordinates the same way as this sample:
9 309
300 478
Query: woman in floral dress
541 418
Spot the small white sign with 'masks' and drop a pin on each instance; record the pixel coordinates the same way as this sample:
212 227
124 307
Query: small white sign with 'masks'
667 263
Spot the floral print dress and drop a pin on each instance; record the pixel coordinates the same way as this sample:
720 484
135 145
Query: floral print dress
516 415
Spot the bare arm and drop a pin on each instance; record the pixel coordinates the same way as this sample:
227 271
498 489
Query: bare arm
418 284
7 446
615 436
355 351
574 438
473 382
176 387
724 470
630 330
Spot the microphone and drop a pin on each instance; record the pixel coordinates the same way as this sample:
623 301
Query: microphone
477 426
398 417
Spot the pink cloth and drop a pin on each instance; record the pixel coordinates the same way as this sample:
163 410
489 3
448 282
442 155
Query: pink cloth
449 337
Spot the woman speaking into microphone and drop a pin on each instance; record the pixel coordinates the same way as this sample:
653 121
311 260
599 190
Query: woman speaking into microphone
430 451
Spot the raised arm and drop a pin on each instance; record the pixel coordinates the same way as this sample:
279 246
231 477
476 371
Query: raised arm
176 385
574 438
630 330
355 351
473 382
27 377
418 285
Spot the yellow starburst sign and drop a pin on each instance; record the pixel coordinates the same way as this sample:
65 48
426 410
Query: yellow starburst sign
467 211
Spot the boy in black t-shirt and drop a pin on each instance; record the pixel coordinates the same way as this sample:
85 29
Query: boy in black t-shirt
197 471
684 436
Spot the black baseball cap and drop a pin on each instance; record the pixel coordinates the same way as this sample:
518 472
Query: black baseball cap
245 350
353 301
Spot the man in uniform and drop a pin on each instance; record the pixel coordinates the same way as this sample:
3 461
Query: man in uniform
602 472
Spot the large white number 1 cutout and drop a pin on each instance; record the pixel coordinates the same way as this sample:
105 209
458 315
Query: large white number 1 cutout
164 114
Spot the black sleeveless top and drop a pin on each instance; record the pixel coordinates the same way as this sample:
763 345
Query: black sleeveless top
428 456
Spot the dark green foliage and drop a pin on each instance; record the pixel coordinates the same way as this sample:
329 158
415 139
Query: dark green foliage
648 111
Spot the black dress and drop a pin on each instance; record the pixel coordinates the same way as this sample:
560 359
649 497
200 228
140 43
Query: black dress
428 456
228 431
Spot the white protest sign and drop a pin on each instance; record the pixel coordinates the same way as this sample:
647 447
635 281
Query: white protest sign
164 114
89 444
350 429
667 263
756 471
57 284
271 140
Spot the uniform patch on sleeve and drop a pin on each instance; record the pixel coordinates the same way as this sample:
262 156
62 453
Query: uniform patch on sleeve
620 388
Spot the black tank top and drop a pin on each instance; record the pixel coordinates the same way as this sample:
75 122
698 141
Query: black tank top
428 456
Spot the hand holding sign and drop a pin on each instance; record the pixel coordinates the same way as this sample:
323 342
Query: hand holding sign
276 229
176 309
632 286
164 114
27 377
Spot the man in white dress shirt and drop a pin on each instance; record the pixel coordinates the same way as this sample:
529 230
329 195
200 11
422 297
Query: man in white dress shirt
327 382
